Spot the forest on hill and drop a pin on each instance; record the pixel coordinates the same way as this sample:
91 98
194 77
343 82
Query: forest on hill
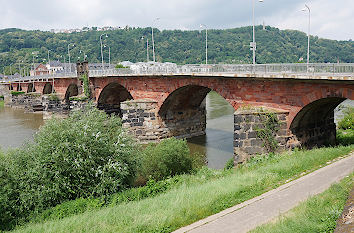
182 47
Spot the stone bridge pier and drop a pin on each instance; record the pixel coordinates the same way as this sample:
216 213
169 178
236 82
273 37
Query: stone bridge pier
156 108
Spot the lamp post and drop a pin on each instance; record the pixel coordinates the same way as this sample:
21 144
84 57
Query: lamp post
147 47
102 46
253 44
109 55
34 54
48 57
153 42
307 8
69 55
206 43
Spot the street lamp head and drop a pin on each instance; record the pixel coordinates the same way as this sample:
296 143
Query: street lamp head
260 0
307 8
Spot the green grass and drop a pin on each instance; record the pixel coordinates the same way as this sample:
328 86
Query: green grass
2 103
317 214
195 199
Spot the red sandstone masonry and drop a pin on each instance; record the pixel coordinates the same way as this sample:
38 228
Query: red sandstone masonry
288 95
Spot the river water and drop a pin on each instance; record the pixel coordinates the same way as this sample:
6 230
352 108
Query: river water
17 127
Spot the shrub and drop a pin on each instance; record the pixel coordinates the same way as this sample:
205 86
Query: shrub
268 132
53 97
345 137
85 155
78 98
16 93
168 158
348 119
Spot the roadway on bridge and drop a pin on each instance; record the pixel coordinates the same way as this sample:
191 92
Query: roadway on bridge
259 210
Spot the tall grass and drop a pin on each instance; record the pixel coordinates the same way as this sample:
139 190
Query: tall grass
317 214
192 201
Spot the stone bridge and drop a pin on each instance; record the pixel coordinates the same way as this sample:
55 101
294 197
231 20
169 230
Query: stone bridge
154 106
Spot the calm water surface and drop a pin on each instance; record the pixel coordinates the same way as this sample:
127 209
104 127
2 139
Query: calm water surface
17 127
217 144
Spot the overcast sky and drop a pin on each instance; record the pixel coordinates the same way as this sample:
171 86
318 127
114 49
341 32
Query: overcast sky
333 19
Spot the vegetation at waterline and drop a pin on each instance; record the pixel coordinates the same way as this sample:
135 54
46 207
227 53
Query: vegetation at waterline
2 102
181 47
26 194
17 93
191 198
317 214
87 155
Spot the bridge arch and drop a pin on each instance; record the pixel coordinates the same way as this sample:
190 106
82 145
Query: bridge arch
111 96
183 112
314 124
31 88
72 90
48 88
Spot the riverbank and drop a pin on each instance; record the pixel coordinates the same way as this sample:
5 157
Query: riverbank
2 103
196 197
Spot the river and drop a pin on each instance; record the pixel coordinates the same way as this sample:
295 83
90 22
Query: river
17 127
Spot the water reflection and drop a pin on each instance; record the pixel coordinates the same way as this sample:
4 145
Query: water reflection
217 144
16 127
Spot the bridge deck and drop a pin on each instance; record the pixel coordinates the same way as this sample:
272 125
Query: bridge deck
272 71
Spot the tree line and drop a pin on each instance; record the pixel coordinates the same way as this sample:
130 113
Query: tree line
182 47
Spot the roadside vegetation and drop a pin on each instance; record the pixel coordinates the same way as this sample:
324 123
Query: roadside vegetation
317 214
85 173
190 197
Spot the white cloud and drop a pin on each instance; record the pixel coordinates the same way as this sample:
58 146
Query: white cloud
330 19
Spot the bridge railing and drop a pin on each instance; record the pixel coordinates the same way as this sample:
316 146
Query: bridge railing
326 69
42 77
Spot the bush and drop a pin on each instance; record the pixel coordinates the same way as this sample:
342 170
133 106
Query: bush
168 158
53 97
348 119
85 155
345 137
78 98
16 93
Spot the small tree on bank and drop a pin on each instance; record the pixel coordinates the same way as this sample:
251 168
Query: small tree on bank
87 154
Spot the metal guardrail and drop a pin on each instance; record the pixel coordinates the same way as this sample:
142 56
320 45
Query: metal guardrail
322 69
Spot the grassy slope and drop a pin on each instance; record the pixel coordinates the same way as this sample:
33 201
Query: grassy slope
189 203
1 103
317 214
